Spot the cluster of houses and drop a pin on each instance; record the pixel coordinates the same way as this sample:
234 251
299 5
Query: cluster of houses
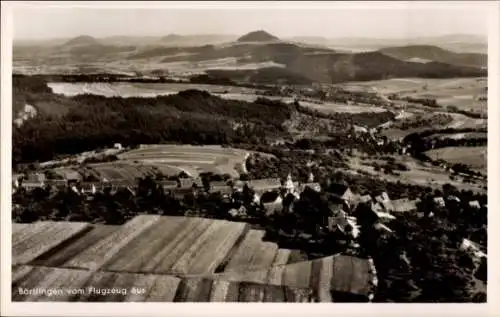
269 193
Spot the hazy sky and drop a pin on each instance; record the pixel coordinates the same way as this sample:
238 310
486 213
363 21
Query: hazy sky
334 19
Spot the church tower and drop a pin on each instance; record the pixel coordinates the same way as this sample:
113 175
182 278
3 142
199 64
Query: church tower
289 186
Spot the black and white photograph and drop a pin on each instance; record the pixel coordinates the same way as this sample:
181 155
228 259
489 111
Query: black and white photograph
227 152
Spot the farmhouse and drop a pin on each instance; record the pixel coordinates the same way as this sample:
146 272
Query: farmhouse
31 185
474 250
168 185
88 188
117 184
474 204
439 201
35 177
264 184
453 198
180 192
216 184
404 205
224 190
186 183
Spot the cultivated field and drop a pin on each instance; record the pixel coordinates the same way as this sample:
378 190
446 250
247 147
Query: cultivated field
419 173
151 90
72 285
139 89
182 258
32 240
330 107
475 157
460 136
429 121
171 245
320 274
190 159
462 93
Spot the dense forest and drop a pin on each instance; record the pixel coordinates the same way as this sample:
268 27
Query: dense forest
89 121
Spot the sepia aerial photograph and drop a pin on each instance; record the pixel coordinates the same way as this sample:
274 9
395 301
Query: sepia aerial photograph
223 153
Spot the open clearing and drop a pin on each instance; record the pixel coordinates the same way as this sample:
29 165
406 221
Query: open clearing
475 157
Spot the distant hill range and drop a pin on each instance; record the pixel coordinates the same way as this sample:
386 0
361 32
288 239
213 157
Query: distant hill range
459 43
82 41
291 60
437 54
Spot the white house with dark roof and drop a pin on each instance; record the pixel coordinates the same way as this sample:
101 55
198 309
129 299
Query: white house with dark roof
474 250
453 198
29 185
439 202
474 204
88 188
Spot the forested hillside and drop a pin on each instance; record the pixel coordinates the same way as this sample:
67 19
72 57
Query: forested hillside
87 121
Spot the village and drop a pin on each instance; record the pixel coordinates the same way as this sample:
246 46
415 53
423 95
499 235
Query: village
273 198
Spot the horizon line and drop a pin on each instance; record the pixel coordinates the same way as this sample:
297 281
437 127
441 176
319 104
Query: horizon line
482 36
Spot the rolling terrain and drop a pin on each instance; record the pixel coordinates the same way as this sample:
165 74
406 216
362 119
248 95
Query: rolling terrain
436 54
311 62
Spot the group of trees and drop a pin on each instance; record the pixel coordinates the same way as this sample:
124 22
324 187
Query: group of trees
437 269
368 119
424 121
